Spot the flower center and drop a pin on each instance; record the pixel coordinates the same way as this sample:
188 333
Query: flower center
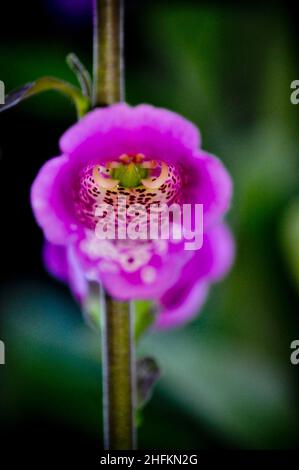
141 181
130 172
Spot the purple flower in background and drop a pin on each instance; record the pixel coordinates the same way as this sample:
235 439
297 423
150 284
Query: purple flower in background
71 10
149 156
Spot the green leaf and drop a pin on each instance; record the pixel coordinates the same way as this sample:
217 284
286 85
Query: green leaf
290 238
81 73
15 97
144 317
91 307
81 102
148 373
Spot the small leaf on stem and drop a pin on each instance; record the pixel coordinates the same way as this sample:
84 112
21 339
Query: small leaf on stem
91 307
81 73
148 373
144 317
81 102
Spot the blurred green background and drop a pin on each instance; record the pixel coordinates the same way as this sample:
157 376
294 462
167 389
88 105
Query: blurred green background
227 378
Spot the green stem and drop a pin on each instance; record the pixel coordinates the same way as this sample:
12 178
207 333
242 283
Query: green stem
118 361
118 375
108 69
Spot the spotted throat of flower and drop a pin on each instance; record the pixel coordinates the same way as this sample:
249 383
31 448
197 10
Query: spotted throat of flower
139 180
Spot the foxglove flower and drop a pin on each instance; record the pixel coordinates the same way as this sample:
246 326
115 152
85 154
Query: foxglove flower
78 11
150 156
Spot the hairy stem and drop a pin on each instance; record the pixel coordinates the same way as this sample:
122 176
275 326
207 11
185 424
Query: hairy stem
118 375
117 338
108 69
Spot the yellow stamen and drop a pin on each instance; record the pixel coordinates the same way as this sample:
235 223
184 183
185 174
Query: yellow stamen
150 165
139 158
112 165
124 158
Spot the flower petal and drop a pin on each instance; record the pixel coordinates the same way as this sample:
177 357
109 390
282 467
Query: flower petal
144 271
55 260
185 309
51 201
107 133
209 183
209 264
61 262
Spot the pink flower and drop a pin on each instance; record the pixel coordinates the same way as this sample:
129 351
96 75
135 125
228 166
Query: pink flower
159 153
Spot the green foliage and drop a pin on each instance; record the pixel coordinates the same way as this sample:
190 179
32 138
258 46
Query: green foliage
290 240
